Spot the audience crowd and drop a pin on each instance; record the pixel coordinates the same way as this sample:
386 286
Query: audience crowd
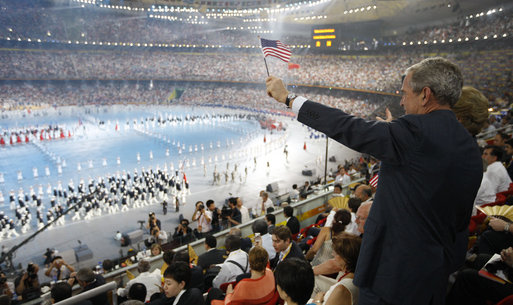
490 73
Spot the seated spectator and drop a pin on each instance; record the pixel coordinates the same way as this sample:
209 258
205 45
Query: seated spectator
212 256
61 291
86 278
271 223
167 257
322 250
498 236
138 292
346 250
331 266
266 240
6 287
338 200
176 286
107 265
183 233
294 281
196 279
236 263
495 179
155 249
264 204
294 193
306 188
245 242
27 285
363 192
59 269
470 288
284 246
362 214
258 289
292 221
151 280
354 205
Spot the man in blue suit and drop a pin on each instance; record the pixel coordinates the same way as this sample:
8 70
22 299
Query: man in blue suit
416 232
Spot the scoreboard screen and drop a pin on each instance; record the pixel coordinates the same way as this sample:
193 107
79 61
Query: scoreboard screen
324 38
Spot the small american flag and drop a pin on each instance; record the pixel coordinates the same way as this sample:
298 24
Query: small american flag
276 49
374 181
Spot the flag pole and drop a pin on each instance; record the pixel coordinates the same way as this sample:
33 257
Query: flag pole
267 69
265 61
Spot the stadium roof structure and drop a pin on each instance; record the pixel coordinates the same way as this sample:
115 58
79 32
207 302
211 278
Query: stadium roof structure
393 12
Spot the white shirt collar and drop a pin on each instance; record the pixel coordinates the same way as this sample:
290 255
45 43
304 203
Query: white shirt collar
178 296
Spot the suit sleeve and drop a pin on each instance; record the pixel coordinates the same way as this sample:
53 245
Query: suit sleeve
385 141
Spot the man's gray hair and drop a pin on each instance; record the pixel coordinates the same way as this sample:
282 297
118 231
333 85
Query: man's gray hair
441 76
86 275
143 266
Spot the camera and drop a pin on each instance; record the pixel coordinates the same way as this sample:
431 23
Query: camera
201 207
226 211
32 271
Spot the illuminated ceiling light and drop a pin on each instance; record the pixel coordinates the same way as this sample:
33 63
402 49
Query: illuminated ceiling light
477 38
466 38
404 43
495 36
485 37
459 39
434 41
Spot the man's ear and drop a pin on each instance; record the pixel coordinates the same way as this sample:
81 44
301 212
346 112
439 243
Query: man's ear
426 95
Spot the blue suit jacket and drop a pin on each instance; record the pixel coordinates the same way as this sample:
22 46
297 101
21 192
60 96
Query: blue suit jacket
416 232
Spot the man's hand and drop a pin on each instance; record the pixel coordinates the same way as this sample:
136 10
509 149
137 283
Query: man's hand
389 117
507 256
497 224
229 289
276 89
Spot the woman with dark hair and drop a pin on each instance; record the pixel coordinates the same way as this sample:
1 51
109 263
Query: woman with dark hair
259 288
321 250
294 281
176 280
346 249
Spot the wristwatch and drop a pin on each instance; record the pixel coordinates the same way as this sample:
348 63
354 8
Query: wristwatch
289 98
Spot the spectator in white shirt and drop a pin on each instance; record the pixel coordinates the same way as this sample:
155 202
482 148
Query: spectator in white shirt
236 263
265 203
495 179
265 240
152 281
243 211
294 193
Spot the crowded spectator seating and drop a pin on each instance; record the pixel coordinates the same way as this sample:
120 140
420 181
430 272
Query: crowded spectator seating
490 71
